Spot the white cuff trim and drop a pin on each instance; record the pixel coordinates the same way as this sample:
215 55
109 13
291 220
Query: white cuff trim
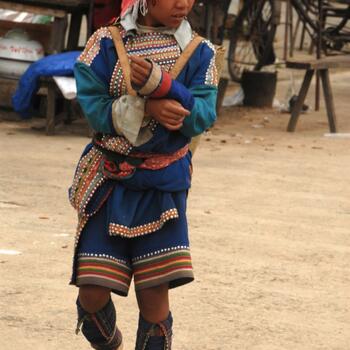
153 81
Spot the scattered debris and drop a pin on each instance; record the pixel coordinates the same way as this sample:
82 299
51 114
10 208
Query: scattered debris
258 126
9 252
234 100
9 204
337 135
277 104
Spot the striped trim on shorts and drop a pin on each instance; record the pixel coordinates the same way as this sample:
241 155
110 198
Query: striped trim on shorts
104 271
174 267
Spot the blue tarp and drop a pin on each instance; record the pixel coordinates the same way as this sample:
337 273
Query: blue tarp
54 65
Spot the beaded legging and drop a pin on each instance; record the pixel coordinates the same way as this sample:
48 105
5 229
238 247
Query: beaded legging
152 336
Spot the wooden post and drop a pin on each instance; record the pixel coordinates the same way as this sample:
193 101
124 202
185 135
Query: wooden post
208 20
302 38
215 24
222 87
328 96
74 30
295 34
286 28
90 19
300 101
319 52
51 109
291 44
58 31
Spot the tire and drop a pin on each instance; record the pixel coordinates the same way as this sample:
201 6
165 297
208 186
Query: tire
252 35
336 36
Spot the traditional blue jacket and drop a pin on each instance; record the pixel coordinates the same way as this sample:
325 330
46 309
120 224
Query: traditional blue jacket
143 201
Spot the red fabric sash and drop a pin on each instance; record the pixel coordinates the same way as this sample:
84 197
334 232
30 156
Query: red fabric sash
151 161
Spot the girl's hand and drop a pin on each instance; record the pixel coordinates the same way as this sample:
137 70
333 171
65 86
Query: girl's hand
169 113
140 70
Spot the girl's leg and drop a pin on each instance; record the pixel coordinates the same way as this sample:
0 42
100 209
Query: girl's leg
97 318
154 303
93 298
155 320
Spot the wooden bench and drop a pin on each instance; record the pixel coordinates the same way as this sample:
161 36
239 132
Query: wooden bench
57 9
51 36
311 66
49 89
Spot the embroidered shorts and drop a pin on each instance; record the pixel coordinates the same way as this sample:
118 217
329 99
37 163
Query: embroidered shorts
153 259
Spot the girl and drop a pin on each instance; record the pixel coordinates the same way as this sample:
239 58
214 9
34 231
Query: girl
131 184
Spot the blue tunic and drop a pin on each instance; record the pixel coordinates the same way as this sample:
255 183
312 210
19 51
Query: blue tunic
143 202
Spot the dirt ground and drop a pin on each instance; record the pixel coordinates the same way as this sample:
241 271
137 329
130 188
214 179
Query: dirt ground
269 217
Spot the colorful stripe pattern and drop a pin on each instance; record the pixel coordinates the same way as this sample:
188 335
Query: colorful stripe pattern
103 271
173 266
162 49
164 86
87 180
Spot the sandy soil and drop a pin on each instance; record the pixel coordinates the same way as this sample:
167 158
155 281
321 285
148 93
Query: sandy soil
269 218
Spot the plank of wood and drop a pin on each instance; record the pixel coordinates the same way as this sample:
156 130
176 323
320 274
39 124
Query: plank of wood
46 11
294 64
339 61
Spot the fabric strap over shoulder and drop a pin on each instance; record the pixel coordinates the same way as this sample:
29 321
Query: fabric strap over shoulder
185 56
125 64
123 58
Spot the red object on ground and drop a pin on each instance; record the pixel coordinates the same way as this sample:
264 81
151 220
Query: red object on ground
105 12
